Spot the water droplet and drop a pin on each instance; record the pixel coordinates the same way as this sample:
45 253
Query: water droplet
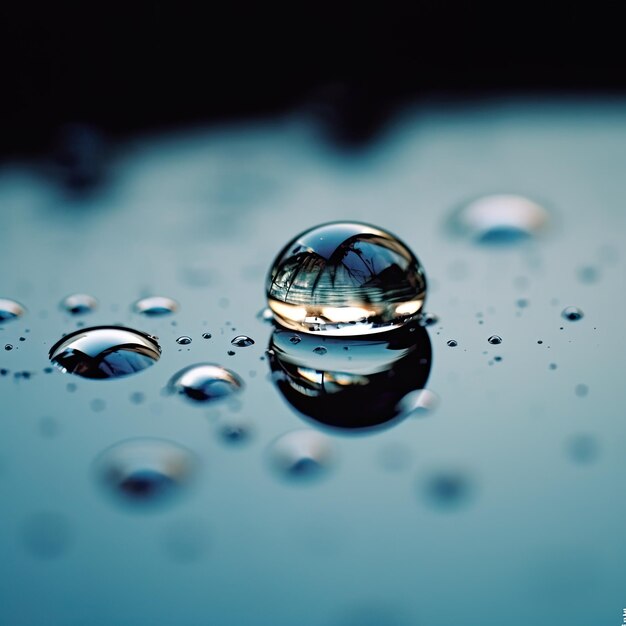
428 319
10 310
447 490
495 340
320 350
79 304
183 340
205 382
499 219
395 457
572 313
583 448
302 455
145 472
345 279
452 343
137 397
235 432
8 346
581 390
156 306
588 274
522 303
295 339
105 352
206 335
552 366
356 390
242 341
46 535
230 353
97 405
497 358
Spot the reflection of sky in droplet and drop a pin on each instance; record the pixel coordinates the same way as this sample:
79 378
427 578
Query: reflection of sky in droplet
105 352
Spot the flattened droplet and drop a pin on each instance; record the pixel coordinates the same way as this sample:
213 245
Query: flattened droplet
205 382
242 341
156 306
345 278
572 313
105 352
144 473
10 310
79 304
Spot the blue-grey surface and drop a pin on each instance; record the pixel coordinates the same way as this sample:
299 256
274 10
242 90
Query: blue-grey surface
537 534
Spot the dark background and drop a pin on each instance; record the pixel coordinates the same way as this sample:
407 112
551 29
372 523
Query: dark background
144 67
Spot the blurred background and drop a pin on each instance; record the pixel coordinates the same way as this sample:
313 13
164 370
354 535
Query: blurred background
152 151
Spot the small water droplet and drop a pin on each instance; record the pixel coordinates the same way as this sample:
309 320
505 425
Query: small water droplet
295 340
428 319
235 432
71 387
320 350
145 472
105 352
48 427
8 346
185 541
206 335
447 490
583 448
242 341
495 340
419 402
97 405
137 397
581 390
79 304
301 455
183 340
345 279
10 310
230 353
156 306
452 343
205 382
572 313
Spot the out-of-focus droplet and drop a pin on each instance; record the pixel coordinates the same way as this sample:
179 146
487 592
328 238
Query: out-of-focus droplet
572 313
302 455
345 279
495 340
242 341
447 490
156 306
105 352
145 472
10 310
265 315
428 319
8 347
235 432
419 402
581 390
499 219
583 448
46 535
79 304
320 350
183 340
205 382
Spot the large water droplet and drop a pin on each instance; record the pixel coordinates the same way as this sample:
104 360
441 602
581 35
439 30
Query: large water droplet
10 310
156 306
345 279
79 304
572 313
145 472
302 455
105 352
242 341
499 219
358 389
205 382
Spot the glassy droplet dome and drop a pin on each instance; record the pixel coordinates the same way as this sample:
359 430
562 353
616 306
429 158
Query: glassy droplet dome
345 278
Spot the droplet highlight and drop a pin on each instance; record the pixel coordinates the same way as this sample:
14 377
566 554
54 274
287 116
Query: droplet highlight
242 341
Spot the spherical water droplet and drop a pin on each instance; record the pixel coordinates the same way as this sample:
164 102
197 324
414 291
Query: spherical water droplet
452 343
522 303
156 306
205 382
572 313
320 350
206 335
302 455
183 340
79 304
345 279
495 340
10 310
428 319
499 219
145 472
105 352
242 341
185 541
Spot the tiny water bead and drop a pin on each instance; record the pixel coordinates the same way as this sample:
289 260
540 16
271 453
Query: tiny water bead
495 340
206 335
205 382
145 472
105 352
235 433
302 455
572 313
8 347
242 341
320 350
581 390
156 306
345 278
183 340
447 490
10 310
78 304
452 343
428 319
499 219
